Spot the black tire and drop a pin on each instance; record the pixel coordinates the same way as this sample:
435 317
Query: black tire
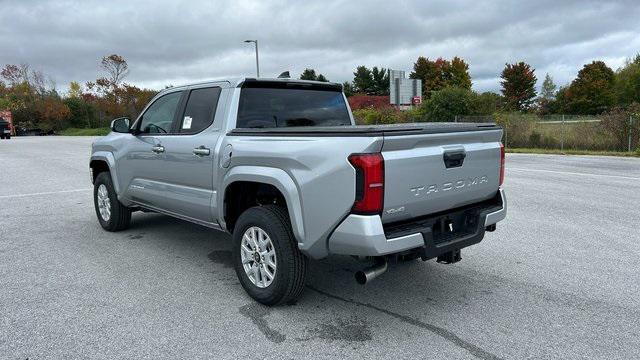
2 137
8 137
120 215
291 265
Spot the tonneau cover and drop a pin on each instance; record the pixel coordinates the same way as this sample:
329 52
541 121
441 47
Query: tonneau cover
366 130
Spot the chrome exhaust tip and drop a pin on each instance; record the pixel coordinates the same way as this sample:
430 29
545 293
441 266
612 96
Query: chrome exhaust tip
367 275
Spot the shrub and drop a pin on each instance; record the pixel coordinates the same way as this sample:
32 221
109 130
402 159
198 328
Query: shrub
361 101
446 104
535 139
616 122
372 116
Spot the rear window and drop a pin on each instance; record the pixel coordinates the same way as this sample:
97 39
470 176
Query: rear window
263 107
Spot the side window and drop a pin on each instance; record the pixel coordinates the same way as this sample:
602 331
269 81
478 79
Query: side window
159 116
200 110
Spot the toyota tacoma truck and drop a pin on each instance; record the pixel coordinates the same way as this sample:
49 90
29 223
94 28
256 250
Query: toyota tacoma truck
281 166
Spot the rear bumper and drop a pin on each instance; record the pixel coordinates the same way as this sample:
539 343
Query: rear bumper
366 236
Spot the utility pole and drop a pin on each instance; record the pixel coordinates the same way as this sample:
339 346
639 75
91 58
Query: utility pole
257 61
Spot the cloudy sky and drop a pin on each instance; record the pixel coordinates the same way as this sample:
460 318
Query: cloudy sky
175 42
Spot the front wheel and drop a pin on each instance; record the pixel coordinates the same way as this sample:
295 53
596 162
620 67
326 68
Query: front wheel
267 261
112 215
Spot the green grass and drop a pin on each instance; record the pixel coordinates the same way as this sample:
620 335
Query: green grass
572 152
85 132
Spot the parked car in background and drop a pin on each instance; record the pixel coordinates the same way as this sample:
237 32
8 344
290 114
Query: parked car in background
5 129
281 165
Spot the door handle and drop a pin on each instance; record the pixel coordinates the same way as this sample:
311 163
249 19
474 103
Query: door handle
454 158
158 149
201 151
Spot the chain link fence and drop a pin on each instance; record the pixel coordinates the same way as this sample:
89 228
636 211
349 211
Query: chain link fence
611 132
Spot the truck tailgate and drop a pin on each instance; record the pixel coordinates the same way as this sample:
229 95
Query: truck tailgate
431 172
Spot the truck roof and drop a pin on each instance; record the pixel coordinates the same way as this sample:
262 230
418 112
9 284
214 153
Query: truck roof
239 81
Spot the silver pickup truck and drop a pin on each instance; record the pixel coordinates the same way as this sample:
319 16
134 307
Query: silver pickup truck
281 166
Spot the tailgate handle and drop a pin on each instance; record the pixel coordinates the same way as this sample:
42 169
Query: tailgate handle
454 159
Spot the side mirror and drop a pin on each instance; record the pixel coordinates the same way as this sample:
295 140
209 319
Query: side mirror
120 125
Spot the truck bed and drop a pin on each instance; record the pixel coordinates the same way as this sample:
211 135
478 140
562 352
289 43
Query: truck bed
429 167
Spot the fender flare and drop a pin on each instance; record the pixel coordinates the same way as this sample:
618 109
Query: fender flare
272 176
108 158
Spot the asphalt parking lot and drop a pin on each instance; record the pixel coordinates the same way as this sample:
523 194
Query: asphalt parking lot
560 278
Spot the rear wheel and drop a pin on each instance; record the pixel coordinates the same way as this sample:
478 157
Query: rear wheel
112 215
267 261
8 137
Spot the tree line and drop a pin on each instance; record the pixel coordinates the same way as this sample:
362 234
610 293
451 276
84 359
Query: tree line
35 102
446 88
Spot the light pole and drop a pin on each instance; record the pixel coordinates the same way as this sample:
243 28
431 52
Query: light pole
257 63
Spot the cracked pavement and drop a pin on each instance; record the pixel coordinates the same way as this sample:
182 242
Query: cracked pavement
559 278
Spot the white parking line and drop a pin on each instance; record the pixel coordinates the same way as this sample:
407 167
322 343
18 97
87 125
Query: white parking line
574 173
42 193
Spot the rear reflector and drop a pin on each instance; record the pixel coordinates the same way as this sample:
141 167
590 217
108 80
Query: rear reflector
501 163
369 183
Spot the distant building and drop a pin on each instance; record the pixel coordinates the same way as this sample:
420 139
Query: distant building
404 92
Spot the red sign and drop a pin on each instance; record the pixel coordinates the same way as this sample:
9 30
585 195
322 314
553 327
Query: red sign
416 100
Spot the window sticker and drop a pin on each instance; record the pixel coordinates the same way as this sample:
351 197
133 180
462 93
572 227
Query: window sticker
186 123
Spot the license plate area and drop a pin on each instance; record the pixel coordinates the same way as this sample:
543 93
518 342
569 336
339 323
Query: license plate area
448 225
454 226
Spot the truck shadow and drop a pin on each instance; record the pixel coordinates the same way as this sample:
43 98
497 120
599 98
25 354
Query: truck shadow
408 292
420 283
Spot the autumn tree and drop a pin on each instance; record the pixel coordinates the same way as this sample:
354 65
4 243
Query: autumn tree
459 76
427 71
15 74
116 67
75 90
518 86
592 91
439 74
12 74
52 113
133 99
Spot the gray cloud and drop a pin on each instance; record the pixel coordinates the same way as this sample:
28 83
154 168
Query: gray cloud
171 42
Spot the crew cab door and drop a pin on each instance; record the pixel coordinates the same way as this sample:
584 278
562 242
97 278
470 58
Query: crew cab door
189 157
140 162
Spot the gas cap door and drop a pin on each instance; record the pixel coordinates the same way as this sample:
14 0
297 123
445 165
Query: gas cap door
226 156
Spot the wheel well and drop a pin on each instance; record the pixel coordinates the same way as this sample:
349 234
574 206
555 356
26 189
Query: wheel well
98 166
241 195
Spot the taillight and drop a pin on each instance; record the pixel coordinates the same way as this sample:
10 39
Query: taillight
369 183
501 163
